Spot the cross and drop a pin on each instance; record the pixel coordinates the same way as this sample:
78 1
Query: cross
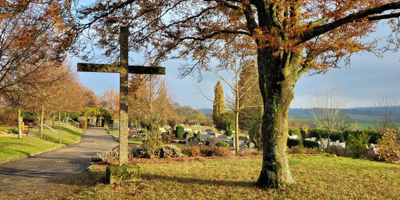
123 69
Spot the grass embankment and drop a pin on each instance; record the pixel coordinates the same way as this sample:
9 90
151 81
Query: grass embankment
318 177
12 147
113 131
70 134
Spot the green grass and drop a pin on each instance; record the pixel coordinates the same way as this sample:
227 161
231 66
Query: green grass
318 177
12 147
70 134
135 141
113 131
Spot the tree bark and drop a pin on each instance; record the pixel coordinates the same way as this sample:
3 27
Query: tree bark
277 78
19 124
41 122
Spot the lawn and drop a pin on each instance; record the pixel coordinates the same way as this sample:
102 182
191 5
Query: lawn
113 131
70 134
12 147
317 176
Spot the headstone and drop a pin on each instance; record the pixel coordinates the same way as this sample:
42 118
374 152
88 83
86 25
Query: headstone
222 137
293 137
241 143
251 145
187 139
133 132
115 126
167 127
187 129
205 136
208 131
192 141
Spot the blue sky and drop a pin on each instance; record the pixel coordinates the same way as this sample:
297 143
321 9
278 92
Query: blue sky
366 78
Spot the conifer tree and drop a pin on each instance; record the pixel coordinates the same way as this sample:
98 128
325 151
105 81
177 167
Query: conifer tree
219 105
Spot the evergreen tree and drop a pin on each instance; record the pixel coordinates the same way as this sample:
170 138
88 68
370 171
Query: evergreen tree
219 105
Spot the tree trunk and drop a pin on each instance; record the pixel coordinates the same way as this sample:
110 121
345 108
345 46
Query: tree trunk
19 124
41 123
237 115
277 79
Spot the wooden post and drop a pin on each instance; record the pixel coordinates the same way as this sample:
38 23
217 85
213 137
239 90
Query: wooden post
19 124
123 96
41 123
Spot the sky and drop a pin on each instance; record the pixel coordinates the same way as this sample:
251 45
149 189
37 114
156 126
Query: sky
367 77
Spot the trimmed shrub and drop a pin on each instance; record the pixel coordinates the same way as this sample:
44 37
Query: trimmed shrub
255 135
83 122
295 131
188 133
166 139
191 151
206 151
358 145
198 135
142 131
293 142
389 147
229 133
168 151
215 151
223 151
222 144
303 150
179 132
374 135
341 138
310 144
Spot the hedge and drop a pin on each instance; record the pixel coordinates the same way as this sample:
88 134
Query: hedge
337 135
179 132
305 143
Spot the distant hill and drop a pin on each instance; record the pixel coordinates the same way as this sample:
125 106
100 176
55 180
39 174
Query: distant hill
206 111
370 111
293 112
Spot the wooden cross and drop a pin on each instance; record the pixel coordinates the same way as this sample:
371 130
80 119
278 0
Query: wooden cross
123 69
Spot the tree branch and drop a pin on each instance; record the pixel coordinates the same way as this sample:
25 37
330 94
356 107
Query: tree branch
319 30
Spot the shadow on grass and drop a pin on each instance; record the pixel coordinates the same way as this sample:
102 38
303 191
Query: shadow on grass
245 184
66 129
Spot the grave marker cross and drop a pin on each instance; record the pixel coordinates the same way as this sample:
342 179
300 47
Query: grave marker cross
123 69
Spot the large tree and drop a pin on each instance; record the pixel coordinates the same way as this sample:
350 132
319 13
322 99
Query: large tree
289 37
32 33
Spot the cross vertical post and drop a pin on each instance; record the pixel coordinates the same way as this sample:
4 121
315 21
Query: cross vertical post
123 96
123 69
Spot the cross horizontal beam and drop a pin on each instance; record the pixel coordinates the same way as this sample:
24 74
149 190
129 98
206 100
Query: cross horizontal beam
115 68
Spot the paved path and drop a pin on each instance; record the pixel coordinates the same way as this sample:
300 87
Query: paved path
47 170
